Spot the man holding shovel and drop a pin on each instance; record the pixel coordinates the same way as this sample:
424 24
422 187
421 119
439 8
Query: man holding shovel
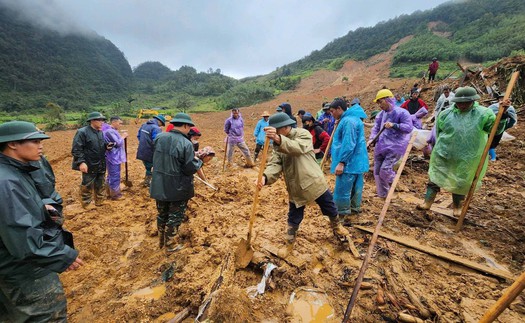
174 163
461 135
115 156
293 156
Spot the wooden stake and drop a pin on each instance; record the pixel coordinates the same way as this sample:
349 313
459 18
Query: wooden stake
364 265
329 145
441 254
504 301
483 159
225 152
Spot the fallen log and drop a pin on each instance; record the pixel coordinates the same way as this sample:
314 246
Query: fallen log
181 316
441 254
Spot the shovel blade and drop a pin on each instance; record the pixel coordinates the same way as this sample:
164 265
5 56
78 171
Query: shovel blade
128 183
243 254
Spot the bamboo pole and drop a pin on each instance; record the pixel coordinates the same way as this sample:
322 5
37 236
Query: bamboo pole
504 301
468 199
375 235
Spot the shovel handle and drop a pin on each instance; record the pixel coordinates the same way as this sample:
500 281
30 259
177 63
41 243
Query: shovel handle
225 152
126 152
327 150
257 189
373 142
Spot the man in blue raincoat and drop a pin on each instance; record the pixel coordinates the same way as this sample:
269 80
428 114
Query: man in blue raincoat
461 135
349 159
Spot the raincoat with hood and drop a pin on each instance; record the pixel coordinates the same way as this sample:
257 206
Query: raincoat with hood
349 148
390 145
460 140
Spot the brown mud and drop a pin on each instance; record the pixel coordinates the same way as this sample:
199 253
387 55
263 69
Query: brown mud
123 276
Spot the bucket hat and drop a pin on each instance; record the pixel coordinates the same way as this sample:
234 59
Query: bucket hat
182 118
20 130
279 120
465 94
161 118
265 114
95 115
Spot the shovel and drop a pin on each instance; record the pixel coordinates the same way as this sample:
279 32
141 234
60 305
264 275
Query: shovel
373 142
244 252
127 182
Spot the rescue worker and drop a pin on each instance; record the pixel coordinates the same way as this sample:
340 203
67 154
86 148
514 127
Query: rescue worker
356 109
432 70
234 129
461 136
392 142
327 120
114 157
417 108
507 121
320 138
258 134
32 248
444 100
89 157
146 135
293 156
349 159
174 163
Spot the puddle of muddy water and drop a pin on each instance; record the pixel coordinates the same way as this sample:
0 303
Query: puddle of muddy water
310 305
153 293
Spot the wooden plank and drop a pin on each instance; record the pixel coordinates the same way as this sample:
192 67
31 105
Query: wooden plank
352 247
291 260
441 254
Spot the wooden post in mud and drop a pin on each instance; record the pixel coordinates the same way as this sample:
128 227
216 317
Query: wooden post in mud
329 145
225 152
375 235
513 79
504 301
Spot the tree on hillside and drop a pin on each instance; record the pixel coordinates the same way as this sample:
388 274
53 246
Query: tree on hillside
54 117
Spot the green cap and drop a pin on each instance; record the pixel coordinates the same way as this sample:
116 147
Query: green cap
20 130
161 118
182 118
280 119
95 115
465 94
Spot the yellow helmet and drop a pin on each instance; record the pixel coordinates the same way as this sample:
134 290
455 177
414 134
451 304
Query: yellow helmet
384 93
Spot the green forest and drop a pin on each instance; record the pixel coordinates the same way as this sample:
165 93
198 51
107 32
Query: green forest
40 68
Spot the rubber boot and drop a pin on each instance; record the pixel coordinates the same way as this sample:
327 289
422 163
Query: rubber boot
100 195
249 162
291 235
169 238
161 228
430 196
86 195
457 204
339 231
492 154
147 181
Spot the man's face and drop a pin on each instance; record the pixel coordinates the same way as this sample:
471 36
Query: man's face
398 97
28 150
414 95
464 106
266 118
97 123
116 124
446 92
383 105
337 112
284 131
235 114
185 128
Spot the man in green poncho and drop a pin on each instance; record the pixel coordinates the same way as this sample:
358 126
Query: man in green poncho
461 135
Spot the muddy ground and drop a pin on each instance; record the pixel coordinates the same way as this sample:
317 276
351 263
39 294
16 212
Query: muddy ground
123 276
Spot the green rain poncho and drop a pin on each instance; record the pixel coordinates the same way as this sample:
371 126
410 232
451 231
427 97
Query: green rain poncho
460 140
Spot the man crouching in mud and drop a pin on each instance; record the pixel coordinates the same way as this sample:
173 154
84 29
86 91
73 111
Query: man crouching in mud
294 157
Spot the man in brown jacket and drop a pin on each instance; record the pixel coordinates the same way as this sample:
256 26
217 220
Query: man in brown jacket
294 156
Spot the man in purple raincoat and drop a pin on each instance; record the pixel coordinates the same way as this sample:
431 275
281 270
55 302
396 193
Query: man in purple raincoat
392 142
234 128
115 156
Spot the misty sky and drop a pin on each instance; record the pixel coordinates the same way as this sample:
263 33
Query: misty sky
241 37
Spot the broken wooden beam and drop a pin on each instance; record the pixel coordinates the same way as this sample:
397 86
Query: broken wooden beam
181 316
441 254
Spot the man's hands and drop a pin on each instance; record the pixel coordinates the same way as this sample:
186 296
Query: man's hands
83 168
316 151
124 135
505 103
389 125
271 133
339 168
262 183
76 264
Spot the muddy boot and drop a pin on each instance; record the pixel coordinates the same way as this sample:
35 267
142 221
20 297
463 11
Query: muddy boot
86 195
291 235
457 204
100 196
169 238
249 162
147 181
162 235
339 231
430 196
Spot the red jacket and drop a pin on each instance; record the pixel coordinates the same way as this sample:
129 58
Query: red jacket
320 139
433 67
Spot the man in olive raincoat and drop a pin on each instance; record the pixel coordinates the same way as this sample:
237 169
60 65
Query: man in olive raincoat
32 248
461 135
294 157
